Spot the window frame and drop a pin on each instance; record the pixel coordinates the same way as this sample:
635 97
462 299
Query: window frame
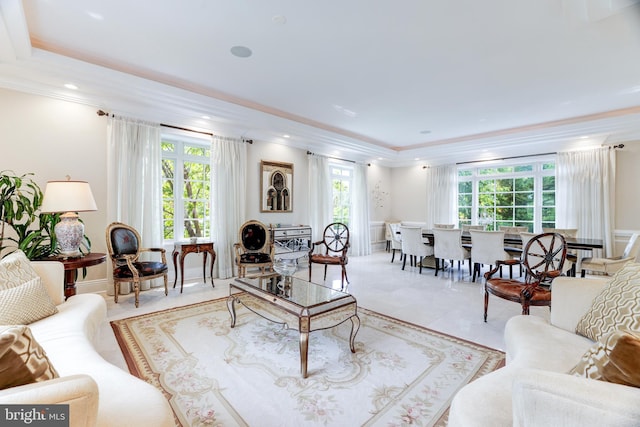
179 157
538 173
343 167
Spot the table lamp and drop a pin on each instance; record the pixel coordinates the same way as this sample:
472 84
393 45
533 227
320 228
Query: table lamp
68 197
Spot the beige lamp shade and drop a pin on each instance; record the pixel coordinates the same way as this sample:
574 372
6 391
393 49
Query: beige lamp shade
68 196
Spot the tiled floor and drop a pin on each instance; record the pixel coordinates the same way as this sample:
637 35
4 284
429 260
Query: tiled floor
449 303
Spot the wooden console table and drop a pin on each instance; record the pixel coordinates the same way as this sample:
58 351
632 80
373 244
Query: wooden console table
184 248
71 265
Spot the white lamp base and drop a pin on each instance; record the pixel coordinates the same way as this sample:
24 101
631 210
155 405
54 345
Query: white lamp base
69 232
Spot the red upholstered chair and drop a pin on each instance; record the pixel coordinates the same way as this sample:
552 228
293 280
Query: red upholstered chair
543 258
335 244
123 243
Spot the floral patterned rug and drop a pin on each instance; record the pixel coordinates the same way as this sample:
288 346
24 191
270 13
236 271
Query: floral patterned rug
214 375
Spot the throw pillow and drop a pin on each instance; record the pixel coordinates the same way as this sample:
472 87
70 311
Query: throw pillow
22 359
15 269
612 359
25 303
617 306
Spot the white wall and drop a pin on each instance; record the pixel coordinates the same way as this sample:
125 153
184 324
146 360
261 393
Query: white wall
52 139
409 189
259 151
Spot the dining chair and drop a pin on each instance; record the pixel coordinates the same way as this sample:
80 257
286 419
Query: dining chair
413 246
443 225
543 257
513 230
334 247
572 255
487 247
125 248
467 227
396 239
610 266
447 244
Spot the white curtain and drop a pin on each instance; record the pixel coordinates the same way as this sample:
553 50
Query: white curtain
585 193
320 195
359 231
229 166
442 192
134 181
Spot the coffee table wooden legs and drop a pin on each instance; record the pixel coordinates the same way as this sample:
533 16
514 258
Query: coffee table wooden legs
355 327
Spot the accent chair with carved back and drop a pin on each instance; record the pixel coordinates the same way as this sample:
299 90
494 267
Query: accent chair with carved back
254 248
124 246
333 249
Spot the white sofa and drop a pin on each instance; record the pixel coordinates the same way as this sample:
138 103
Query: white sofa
98 392
534 388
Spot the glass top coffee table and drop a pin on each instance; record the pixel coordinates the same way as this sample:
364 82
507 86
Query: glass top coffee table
296 303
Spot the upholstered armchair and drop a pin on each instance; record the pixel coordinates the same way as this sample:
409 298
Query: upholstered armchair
609 266
254 248
123 244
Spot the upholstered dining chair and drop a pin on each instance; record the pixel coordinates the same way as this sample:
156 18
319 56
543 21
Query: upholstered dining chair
254 248
333 249
487 247
610 266
572 255
448 245
124 246
396 239
467 227
444 225
413 246
543 257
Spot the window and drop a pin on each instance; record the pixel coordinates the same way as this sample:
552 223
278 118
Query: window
513 195
341 177
186 188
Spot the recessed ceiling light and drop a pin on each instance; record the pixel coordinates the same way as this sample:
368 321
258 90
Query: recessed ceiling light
380 158
286 136
71 86
345 111
279 19
96 16
241 51
424 132
206 117
417 158
584 137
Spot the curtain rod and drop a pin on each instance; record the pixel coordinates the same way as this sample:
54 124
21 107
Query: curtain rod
249 141
524 156
328 157
505 158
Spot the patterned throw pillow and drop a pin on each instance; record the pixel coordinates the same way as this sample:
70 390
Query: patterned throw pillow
25 303
15 269
22 359
617 306
612 359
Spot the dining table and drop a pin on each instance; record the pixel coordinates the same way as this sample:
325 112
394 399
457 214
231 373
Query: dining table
579 243
512 241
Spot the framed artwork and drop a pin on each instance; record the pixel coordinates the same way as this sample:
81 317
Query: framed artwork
276 186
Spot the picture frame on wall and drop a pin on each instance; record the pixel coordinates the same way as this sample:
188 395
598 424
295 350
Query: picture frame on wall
276 186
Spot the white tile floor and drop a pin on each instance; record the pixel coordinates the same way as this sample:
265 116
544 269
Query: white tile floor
449 303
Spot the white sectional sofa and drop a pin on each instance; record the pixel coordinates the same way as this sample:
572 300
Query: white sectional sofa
535 388
98 392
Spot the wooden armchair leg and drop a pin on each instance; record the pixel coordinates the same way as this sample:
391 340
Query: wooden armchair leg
486 304
115 291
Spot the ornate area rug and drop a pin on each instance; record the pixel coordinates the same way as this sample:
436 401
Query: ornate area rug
213 375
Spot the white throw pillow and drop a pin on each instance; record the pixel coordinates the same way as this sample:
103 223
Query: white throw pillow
15 269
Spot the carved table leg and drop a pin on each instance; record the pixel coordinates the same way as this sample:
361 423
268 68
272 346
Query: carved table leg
232 310
174 255
355 327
